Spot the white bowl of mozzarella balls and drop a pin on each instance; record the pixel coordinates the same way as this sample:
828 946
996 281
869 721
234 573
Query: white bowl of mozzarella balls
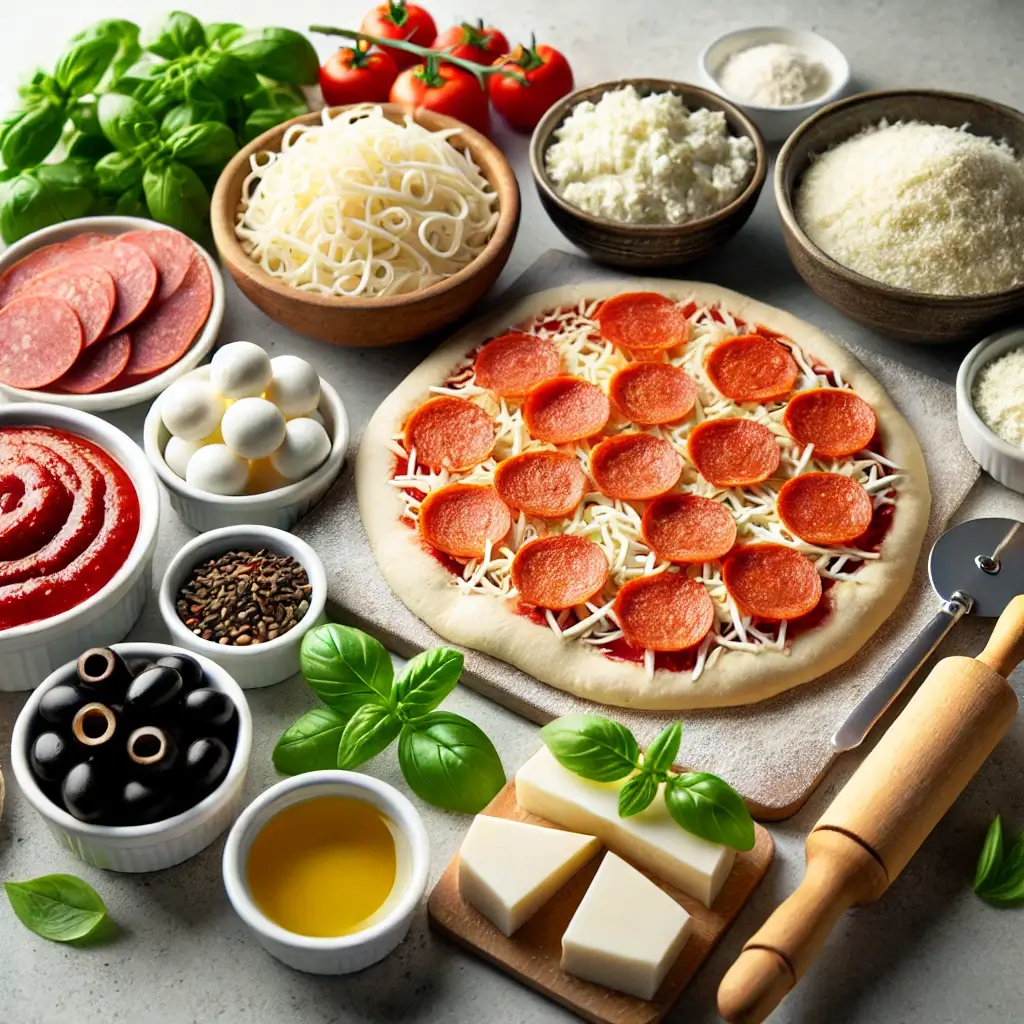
247 439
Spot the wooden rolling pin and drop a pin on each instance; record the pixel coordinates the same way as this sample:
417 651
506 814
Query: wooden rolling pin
882 815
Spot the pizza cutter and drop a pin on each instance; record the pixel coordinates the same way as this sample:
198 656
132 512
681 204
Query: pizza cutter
976 568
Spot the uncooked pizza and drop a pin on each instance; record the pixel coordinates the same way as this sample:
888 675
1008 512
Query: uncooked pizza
668 498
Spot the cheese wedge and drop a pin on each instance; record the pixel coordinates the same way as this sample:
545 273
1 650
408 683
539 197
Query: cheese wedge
508 870
650 839
626 933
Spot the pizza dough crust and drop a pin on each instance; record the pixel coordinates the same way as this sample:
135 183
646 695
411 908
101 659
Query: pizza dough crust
738 677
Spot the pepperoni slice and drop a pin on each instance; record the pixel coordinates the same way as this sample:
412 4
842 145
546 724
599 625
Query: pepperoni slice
97 366
40 339
824 508
549 485
449 433
171 253
643 320
752 368
27 269
687 528
512 364
461 518
88 290
648 394
769 581
666 612
565 409
835 420
635 466
134 275
733 452
559 572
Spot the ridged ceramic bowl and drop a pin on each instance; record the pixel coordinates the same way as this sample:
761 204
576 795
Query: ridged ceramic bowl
136 848
29 653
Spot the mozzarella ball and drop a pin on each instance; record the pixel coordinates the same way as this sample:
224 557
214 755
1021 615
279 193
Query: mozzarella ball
177 452
240 370
252 428
213 468
294 387
305 447
191 409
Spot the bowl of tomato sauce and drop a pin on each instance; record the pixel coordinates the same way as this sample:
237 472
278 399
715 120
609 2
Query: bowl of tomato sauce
79 507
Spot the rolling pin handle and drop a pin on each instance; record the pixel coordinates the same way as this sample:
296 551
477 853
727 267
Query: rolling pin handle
1005 648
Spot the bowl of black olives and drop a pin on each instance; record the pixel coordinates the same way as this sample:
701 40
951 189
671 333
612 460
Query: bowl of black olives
134 754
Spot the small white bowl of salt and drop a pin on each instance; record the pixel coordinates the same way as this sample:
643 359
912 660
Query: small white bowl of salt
778 76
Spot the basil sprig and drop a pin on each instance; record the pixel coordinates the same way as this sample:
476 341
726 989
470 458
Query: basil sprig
999 877
446 759
601 750
61 908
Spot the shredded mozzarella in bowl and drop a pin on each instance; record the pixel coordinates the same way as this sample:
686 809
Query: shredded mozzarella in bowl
360 206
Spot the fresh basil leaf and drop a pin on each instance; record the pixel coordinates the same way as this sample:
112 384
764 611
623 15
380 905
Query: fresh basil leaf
61 908
117 173
1004 881
225 75
369 731
126 36
592 747
449 762
709 807
85 118
223 33
426 680
126 122
28 136
991 859
278 53
310 743
82 146
661 753
195 111
201 146
346 668
262 120
637 794
175 196
132 204
82 65
177 35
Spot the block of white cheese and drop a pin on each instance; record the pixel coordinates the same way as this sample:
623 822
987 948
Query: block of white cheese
651 838
626 933
508 870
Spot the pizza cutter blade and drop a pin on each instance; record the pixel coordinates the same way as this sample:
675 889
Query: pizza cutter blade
976 568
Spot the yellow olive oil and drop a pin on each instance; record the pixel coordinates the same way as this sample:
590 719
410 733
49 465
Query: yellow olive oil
322 867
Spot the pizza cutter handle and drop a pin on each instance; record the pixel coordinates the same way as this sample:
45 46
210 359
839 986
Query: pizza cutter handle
874 703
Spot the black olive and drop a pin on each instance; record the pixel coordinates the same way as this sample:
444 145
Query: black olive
156 688
84 793
96 728
138 663
142 803
59 705
189 669
104 675
206 764
51 757
208 711
152 751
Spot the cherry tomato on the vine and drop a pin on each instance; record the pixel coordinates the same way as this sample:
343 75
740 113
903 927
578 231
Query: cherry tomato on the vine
445 89
473 42
398 20
357 76
549 77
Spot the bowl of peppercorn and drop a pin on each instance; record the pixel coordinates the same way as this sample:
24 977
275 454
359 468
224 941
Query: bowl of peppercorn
245 596
135 755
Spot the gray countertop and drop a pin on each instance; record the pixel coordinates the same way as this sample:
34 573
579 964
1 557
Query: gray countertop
928 951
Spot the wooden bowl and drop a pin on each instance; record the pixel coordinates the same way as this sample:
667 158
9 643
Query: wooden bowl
896 312
370 321
646 246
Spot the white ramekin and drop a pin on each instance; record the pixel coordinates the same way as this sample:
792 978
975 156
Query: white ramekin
281 508
263 664
135 848
108 400
997 457
29 653
347 953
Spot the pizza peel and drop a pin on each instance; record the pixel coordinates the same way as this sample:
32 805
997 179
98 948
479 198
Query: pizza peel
976 568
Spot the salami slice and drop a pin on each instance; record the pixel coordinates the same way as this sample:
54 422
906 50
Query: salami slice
643 320
635 467
449 433
26 270
40 339
688 528
164 334
172 254
97 366
770 581
824 508
548 485
733 452
666 612
565 409
835 420
87 289
512 364
134 275
649 394
461 518
559 572
752 368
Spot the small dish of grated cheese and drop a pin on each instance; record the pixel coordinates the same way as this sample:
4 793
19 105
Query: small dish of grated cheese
998 396
774 75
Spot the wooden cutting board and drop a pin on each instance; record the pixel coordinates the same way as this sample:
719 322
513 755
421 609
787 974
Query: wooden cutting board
533 953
